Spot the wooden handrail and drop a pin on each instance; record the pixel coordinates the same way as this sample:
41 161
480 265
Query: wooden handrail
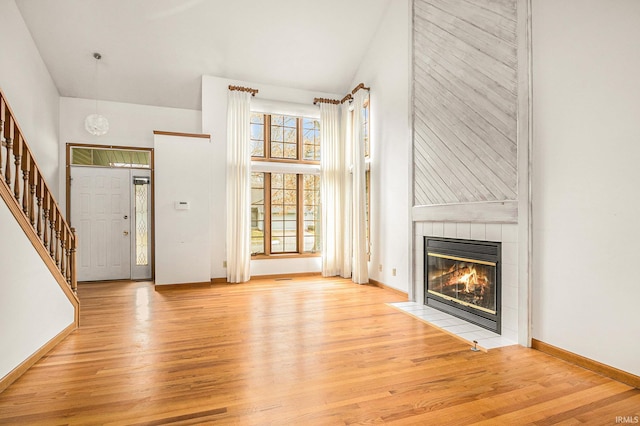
22 177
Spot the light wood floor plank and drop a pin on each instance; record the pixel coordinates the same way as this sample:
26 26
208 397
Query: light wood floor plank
301 351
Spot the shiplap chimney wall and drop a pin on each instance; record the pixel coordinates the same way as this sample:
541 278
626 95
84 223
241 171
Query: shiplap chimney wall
470 100
465 101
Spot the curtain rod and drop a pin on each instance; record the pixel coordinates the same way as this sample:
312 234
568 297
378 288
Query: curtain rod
325 101
346 98
358 87
244 89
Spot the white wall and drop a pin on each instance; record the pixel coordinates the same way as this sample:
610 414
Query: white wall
33 307
214 122
33 97
129 125
586 151
183 243
385 68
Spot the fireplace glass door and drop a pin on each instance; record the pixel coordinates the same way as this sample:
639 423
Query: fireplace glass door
468 282
462 278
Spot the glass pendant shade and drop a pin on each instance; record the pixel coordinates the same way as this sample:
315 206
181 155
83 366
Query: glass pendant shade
96 124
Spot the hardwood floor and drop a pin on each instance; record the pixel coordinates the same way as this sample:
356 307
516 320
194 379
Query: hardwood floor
301 351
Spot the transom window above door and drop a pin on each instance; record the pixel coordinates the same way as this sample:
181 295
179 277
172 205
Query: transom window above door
106 157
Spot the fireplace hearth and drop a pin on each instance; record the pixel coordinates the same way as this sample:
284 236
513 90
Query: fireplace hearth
462 278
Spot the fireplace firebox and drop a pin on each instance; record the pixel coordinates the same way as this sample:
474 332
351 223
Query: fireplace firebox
462 278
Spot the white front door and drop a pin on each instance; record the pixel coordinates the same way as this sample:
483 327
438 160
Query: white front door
101 214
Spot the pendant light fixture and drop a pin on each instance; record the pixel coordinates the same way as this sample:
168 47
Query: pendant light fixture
96 124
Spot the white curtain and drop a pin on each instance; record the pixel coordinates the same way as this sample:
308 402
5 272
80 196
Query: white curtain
238 187
346 218
360 268
332 167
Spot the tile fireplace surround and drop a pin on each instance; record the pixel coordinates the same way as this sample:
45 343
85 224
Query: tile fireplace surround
506 233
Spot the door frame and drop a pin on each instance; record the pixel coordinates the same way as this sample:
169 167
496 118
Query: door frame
70 145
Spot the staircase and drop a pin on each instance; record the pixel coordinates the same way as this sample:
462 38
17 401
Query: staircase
30 201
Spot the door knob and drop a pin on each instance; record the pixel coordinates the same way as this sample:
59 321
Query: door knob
125 233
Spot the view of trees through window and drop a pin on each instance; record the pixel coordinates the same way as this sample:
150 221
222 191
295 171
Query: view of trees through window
285 207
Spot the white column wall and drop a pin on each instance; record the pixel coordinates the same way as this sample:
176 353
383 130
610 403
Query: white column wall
183 236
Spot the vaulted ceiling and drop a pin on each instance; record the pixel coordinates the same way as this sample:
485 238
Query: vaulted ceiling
155 51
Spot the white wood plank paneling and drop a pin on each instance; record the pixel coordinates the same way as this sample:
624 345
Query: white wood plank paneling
465 102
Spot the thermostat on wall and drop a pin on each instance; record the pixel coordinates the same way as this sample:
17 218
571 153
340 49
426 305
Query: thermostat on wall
182 205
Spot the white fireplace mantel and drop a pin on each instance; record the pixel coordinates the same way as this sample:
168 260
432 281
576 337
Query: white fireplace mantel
478 212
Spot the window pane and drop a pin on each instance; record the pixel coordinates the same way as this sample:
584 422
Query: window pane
290 135
142 224
277 197
290 196
277 180
311 139
276 134
82 156
365 128
257 148
311 200
290 244
289 121
277 120
291 181
277 150
307 123
284 213
284 137
257 132
257 135
257 213
257 118
106 157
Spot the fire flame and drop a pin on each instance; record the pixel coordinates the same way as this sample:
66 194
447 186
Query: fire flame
468 276
469 279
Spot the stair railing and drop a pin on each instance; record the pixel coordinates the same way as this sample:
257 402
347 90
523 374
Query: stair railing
21 176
